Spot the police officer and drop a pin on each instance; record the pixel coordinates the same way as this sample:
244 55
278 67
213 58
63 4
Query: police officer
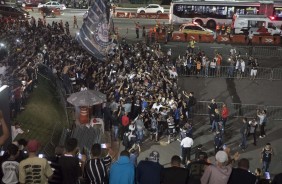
218 142
223 27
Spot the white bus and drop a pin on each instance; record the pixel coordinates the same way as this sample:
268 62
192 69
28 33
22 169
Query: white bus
211 13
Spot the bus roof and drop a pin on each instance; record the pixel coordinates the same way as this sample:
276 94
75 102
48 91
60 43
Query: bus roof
232 3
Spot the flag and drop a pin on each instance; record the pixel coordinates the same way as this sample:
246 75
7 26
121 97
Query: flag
94 33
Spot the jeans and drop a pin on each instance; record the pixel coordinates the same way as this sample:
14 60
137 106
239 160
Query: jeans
140 135
265 166
206 71
243 141
214 125
223 123
115 132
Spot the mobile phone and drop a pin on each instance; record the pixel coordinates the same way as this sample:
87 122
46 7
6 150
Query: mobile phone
40 155
267 175
2 153
80 156
103 146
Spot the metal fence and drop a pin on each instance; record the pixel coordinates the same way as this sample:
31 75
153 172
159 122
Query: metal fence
261 52
237 110
231 72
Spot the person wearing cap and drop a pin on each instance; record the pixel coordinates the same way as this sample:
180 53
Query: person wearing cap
122 171
149 171
175 173
220 172
241 174
43 170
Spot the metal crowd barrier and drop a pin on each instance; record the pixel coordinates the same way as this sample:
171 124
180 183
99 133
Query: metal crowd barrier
231 72
238 110
201 107
261 51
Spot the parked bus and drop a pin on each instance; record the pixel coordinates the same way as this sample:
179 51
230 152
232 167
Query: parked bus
211 13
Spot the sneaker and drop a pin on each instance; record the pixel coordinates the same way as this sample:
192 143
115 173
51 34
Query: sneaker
264 136
261 137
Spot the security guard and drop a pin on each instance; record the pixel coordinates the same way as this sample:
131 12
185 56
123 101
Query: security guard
191 45
223 27
218 29
228 30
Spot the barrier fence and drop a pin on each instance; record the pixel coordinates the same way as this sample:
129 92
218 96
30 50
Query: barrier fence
238 110
230 72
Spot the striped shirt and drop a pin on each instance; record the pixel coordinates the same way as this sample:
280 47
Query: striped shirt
96 170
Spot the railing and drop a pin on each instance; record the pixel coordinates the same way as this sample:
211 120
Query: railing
231 72
238 110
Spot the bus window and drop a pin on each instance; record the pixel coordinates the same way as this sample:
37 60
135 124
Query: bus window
271 25
278 13
240 11
230 12
251 11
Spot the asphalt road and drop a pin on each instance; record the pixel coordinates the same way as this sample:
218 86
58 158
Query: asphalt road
249 92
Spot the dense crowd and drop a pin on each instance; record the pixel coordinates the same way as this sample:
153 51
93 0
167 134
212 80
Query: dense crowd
140 82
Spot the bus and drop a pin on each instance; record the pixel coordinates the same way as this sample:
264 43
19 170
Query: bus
211 13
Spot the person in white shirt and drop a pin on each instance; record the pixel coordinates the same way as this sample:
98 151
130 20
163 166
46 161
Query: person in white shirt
186 145
253 129
15 130
83 88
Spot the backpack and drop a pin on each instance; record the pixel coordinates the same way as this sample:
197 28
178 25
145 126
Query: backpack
196 171
125 141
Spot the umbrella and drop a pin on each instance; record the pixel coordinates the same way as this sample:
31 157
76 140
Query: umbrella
86 98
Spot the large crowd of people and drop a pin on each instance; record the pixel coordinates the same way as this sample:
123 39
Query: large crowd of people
143 98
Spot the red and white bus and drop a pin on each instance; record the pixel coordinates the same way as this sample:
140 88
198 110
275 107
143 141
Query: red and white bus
211 13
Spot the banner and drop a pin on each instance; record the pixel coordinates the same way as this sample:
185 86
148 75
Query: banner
94 33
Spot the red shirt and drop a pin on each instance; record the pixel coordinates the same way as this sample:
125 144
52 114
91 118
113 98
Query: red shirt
224 112
124 120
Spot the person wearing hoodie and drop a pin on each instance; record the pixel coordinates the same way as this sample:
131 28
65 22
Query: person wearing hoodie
122 171
218 173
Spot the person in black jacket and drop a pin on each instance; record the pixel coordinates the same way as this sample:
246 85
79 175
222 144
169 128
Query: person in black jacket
241 174
175 173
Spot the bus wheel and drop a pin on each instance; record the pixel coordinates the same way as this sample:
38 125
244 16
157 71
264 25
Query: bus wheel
200 22
211 24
